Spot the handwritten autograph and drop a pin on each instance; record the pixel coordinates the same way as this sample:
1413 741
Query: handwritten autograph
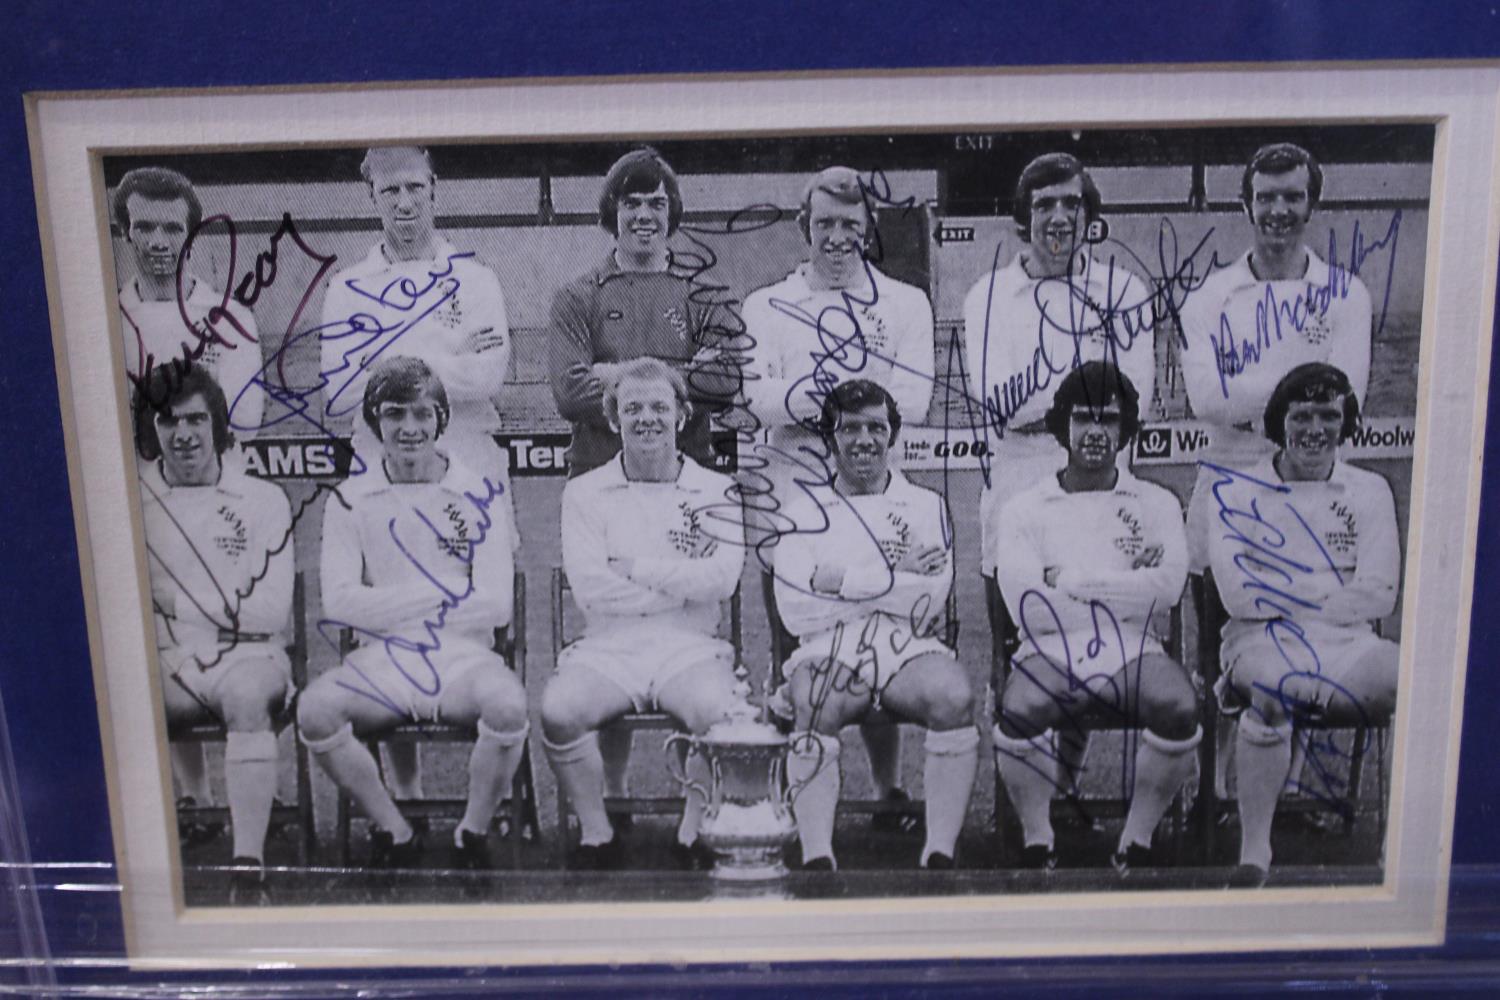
1275 317
425 638
1268 570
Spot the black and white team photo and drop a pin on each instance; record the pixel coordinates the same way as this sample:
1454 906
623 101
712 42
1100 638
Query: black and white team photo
804 517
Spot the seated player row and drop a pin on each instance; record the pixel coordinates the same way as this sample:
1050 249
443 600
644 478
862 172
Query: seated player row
416 565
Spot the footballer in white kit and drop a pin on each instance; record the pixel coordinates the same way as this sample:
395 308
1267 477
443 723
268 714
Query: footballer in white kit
835 317
219 554
1306 556
865 592
1277 306
417 563
1026 325
649 567
417 296
1089 555
167 314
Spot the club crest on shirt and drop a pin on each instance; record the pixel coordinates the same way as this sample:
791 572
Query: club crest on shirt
676 321
232 541
1133 540
874 331
450 312
1317 328
686 534
895 542
1342 539
455 545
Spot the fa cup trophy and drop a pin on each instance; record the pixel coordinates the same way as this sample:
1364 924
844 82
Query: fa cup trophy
747 822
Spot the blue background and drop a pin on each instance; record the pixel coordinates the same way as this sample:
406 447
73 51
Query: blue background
46 680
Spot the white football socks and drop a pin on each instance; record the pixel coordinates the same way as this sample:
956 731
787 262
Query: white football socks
1029 771
492 765
250 780
1262 756
948 779
580 774
812 770
1161 768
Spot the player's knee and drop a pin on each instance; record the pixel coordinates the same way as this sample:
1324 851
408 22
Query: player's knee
1171 709
320 711
951 705
246 699
501 701
562 720
1174 714
1025 709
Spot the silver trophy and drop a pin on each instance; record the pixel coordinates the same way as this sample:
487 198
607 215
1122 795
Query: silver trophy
747 822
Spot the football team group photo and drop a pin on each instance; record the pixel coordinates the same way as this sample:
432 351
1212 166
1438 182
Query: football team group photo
1040 499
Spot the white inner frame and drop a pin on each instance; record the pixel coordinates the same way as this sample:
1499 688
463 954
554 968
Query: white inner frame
1408 909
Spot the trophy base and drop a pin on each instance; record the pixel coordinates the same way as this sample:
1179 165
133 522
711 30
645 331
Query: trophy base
757 867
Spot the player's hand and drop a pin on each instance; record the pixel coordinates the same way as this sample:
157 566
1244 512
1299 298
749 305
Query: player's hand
707 357
1150 558
592 386
484 340
828 580
928 561
1050 575
622 565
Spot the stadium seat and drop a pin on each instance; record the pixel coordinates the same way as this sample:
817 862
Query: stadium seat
634 805
1004 646
1341 796
517 816
784 644
297 814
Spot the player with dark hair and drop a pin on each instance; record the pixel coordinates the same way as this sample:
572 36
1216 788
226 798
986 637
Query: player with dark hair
219 553
1239 337
1299 645
636 303
1051 308
1230 359
836 293
418 562
649 574
168 314
1090 553
866 597
448 310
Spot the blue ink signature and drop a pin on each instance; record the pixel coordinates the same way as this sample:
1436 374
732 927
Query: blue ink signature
412 302
1268 570
1078 700
1273 316
428 640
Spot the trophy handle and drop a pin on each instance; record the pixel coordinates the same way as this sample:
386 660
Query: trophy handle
680 776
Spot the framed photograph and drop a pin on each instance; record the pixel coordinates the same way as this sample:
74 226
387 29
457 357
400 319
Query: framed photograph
921 516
